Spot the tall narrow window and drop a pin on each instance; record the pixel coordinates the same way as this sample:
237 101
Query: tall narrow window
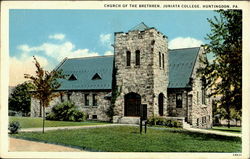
128 58
137 57
203 91
178 101
163 61
68 95
159 59
94 99
86 99
197 122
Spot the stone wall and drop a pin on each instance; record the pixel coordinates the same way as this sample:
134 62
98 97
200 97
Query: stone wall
192 107
200 110
172 109
78 98
148 79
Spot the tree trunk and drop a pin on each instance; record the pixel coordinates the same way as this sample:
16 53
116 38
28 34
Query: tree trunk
228 114
228 123
43 117
40 112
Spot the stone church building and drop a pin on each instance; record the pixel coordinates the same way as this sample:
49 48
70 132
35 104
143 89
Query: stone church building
145 73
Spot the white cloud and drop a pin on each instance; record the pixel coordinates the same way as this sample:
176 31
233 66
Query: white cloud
57 36
184 42
58 51
24 65
108 53
106 39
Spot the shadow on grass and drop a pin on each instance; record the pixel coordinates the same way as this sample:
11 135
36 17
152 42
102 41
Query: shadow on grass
238 131
204 136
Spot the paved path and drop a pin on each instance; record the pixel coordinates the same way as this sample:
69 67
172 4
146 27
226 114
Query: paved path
26 145
68 127
213 132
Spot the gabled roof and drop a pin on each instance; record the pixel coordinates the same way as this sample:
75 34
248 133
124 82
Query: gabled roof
181 64
140 27
84 69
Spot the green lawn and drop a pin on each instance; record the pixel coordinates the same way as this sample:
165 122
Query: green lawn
128 139
226 129
28 122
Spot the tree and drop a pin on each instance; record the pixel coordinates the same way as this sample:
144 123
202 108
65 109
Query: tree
19 99
224 73
44 84
236 115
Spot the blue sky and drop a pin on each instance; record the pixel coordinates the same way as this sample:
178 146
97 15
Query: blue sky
52 35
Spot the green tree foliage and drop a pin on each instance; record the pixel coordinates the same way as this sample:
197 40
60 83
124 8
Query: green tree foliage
224 73
44 84
19 99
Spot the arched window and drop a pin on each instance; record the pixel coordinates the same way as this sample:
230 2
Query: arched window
159 59
163 61
137 57
128 55
178 100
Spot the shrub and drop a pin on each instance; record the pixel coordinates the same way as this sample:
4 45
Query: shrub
173 123
157 120
66 111
14 126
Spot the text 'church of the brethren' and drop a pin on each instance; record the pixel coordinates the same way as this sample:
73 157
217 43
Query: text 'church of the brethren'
143 71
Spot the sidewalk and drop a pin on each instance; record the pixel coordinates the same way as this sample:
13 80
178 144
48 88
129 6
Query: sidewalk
213 132
26 145
69 127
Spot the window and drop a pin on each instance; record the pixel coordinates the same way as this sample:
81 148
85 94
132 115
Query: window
137 57
178 101
61 97
152 42
198 121
68 95
94 116
86 99
204 120
163 61
96 77
94 99
198 97
128 54
203 81
159 59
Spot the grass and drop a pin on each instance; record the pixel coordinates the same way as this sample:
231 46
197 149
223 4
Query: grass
28 122
226 129
128 139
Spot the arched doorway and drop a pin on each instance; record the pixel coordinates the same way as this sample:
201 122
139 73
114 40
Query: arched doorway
132 104
160 103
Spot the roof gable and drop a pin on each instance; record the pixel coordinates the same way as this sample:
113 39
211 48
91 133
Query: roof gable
181 64
96 77
72 77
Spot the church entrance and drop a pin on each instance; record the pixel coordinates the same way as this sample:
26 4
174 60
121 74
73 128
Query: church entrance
160 104
132 104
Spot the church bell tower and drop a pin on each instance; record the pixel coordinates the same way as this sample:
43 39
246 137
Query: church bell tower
141 61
